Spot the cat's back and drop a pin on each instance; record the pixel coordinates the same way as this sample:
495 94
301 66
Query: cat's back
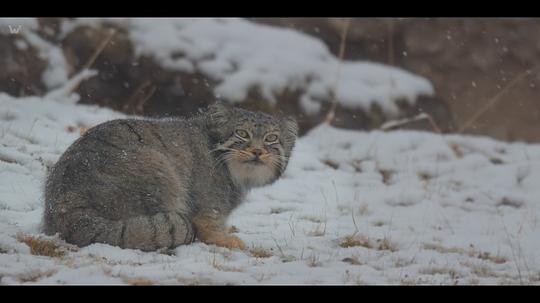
119 162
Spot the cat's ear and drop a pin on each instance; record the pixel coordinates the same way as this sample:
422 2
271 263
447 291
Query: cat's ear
290 128
219 113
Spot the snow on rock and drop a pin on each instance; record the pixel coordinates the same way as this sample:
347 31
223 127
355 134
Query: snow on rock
353 207
241 55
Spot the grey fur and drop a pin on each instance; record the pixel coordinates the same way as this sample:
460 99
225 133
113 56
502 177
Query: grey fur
138 183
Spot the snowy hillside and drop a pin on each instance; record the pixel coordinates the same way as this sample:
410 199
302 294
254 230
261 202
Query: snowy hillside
353 207
239 56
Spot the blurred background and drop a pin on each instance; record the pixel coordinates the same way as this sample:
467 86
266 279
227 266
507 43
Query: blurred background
484 71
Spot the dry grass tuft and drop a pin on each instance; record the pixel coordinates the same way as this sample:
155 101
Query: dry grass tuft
313 219
45 247
424 176
279 210
489 257
319 231
35 274
457 150
222 267
259 252
139 281
386 175
360 240
352 260
471 252
385 244
313 261
331 163
352 241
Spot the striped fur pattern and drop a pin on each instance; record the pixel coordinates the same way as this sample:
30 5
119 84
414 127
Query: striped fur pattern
158 183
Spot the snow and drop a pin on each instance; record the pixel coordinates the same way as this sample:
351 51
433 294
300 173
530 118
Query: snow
240 55
56 71
400 207
353 207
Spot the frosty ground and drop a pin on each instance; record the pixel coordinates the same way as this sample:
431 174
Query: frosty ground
353 207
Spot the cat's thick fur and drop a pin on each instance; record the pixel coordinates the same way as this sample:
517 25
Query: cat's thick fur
150 184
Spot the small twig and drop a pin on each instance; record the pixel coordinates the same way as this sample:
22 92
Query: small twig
390 38
421 116
516 260
100 49
354 222
93 58
494 99
142 93
279 248
140 105
332 111
434 125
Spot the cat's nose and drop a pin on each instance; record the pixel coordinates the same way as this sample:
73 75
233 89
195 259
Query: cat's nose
257 152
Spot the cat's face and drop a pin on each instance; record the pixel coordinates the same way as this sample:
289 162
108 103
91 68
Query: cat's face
254 146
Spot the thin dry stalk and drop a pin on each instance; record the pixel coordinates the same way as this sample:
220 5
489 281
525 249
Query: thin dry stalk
391 41
344 32
494 99
94 56
421 116
100 49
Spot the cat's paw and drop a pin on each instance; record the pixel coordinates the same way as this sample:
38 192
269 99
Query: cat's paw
228 241
233 242
232 229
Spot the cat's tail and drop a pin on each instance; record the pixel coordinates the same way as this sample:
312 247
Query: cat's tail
147 233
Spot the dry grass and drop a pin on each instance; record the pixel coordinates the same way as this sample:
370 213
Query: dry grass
138 281
313 261
360 240
457 150
472 252
259 252
353 260
480 270
331 113
41 246
495 99
313 219
279 210
363 209
378 223
319 231
82 130
35 274
331 163
495 259
402 262
222 267
352 241
440 271
424 176
386 175
385 244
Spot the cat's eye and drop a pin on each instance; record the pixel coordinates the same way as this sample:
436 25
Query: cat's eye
271 138
242 134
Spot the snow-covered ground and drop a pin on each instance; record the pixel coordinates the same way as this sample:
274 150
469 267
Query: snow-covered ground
353 207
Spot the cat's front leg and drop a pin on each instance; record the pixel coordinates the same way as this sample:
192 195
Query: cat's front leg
210 226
